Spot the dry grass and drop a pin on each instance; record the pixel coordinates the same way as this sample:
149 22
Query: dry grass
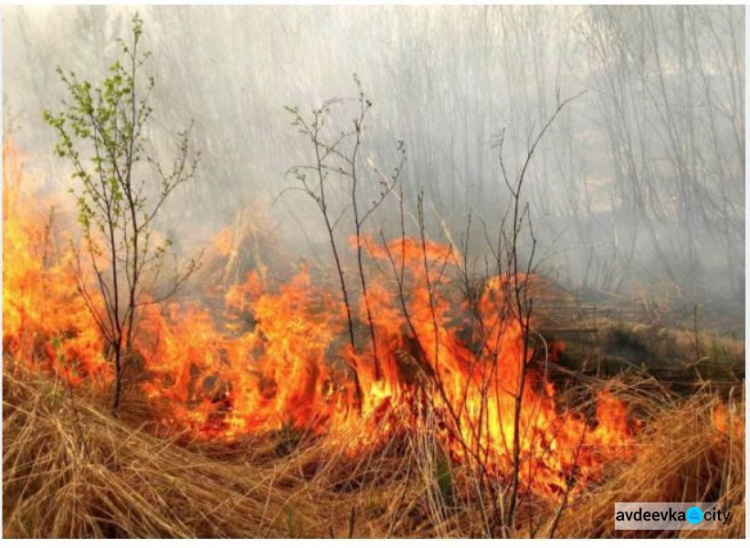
682 458
71 470
80 473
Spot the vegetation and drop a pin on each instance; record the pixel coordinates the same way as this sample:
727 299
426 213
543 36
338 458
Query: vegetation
483 400
115 480
104 133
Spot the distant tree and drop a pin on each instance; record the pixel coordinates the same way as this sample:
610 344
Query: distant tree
102 131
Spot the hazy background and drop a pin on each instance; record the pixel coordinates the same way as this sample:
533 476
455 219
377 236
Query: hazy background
638 186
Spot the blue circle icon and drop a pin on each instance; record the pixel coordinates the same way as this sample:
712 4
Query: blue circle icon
694 515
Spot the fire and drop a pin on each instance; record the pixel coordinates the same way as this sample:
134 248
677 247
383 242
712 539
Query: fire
728 423
281 357
46 323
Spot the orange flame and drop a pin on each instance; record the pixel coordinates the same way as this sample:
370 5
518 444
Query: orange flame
282 358
726 422
46 323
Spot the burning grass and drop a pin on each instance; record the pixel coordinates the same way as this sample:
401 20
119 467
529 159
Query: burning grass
435 358
259 420
694 451
71 470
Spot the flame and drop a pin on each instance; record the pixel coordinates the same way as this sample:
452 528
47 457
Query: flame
46 323
281 361
280 357
728 423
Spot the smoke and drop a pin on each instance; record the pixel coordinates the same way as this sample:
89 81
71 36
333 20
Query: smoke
639 183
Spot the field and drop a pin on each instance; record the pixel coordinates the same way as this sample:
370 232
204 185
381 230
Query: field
633 411
71 470
373 272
